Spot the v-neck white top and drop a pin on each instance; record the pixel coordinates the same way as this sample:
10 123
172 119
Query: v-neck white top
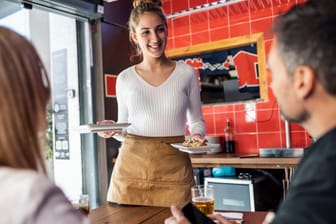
162 110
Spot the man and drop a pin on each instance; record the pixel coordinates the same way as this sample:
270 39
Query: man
303 71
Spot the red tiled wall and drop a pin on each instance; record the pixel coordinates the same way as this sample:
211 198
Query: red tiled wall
256 125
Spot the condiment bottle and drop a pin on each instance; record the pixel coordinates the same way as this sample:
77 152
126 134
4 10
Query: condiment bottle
229 142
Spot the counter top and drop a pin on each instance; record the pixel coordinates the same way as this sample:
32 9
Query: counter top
242 161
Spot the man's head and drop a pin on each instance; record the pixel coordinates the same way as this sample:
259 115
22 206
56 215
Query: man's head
302 56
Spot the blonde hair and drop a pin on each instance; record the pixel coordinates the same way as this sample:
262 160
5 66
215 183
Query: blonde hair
24 95
137 3
141 7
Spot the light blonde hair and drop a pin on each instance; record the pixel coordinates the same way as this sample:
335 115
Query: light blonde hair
24 95
141 7
137 3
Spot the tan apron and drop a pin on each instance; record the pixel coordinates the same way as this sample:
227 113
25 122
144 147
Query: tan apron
148 171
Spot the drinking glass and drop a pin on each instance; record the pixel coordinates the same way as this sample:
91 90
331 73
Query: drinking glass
82 203
203 197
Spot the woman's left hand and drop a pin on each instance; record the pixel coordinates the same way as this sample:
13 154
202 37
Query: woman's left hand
198 138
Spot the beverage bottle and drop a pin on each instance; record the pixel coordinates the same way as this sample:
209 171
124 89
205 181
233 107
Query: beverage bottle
229 142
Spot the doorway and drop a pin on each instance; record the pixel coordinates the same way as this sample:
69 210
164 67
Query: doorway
64 44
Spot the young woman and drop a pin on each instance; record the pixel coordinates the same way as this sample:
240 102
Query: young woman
27 195
158 97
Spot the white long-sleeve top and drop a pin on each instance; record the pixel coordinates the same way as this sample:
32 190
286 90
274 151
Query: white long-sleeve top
163 110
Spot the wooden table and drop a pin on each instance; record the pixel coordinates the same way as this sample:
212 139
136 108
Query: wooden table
113 214
252 161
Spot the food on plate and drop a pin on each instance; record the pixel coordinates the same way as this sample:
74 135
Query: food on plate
193 143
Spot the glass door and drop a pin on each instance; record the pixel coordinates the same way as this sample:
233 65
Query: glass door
65 46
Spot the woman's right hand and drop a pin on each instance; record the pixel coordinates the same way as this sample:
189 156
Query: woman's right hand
107 134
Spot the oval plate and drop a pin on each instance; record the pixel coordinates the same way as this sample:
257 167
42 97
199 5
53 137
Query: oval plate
195 150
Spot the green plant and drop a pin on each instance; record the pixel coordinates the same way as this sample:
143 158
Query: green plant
49 136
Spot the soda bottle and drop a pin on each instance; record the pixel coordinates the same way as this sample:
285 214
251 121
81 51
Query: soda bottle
229 142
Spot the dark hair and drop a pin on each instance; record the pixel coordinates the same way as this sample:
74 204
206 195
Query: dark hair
141 7
306 35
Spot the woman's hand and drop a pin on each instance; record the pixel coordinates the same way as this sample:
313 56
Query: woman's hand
177 216
198 138
107 134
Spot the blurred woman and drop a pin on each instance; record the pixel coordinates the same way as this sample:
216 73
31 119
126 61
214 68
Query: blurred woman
27 195
158 97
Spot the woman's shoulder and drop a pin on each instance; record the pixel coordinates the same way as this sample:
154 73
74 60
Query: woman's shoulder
29 181
34 197
21 188
10 174
184 66
126 75
185 69
127 72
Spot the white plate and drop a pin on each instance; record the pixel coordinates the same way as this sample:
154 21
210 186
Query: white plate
92 128
196 149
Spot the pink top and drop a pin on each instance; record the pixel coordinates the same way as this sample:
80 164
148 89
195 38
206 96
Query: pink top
29 197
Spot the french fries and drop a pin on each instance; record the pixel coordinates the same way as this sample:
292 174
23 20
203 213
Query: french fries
193 143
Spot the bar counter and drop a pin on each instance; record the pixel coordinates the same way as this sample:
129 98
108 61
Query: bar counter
251 161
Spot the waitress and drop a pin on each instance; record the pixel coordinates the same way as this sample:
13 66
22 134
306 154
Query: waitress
158 97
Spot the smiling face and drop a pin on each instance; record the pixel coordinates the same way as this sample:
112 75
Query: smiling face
286 87
150 35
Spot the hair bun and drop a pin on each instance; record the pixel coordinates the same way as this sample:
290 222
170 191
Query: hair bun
137 3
